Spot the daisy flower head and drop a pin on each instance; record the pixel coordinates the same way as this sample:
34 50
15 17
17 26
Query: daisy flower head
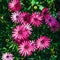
19 32
42 42
14 5
36 19
26 48
16 17
49 19
25 18
7 56
45 12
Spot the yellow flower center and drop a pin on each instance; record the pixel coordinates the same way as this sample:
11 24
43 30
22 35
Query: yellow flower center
35 7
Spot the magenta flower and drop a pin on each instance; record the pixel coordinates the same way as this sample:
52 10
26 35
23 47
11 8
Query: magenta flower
16 17
26 48
45 12
50 20
7 56
20 32
43 42
55 27
36 19
14 5
25 18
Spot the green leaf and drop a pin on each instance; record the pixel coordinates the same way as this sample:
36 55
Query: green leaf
41 7
33 2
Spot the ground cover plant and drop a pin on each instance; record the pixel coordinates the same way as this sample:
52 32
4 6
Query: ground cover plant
29 29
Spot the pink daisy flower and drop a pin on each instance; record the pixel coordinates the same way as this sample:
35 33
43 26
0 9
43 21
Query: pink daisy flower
45 12
25 17
14 5
36 19
7 56
26 48
20 32
50 20
55 27
43 42
16 17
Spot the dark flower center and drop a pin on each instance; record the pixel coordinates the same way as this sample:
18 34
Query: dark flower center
20 32
25 18
45 13
54 26
17 16
16 5
7 56
26 46
35 19
50 20
42 41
